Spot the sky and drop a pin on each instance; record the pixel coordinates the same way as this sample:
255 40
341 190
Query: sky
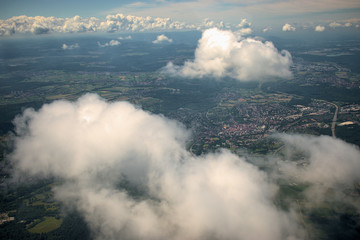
262 14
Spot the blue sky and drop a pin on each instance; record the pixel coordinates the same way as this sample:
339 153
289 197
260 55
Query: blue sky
261 13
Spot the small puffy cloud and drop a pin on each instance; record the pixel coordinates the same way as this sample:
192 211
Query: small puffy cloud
241 29
112 43
162 38
267 29
244 28
244 24
244 31
319 28
348 23
69 47
223 54
127 172
287 28
335 25
208 23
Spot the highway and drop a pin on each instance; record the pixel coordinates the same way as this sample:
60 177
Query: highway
333 124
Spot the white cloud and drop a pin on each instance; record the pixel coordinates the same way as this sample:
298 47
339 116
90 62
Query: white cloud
344 23
287 28
244 27
265 11
112 23
267 29
70 47
327 164
223 54
112 43
128 173
126 38
335 24
162 38
319 28
244 23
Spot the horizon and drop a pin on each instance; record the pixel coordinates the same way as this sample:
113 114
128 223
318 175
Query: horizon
274 17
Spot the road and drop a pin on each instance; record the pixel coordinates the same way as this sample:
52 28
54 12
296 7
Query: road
333 124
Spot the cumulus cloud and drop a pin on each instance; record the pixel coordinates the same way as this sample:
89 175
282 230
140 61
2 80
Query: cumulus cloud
287 28
70 47
222 53
162 38
128 173
112 43
244 31
208 23
244 27
344 24
319 28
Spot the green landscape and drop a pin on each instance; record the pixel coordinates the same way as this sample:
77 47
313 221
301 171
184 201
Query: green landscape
242 117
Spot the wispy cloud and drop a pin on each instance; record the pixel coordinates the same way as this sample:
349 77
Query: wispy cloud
112 43
70 47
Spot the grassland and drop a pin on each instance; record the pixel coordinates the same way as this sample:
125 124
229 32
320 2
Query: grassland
47 225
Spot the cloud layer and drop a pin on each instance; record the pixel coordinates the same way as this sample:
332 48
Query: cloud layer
128 173
224 54
112 23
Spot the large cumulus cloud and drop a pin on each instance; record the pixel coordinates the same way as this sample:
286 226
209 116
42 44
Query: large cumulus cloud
222 53
128 173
